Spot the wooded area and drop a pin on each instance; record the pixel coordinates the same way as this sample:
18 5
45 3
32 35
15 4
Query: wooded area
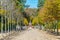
15 12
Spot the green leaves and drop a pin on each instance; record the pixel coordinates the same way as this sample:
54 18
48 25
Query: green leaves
40 3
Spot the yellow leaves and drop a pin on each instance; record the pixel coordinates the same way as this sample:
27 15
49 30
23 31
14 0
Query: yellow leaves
57 1
25 21
31 17
11 21
50 13
59 6
42 14
58 24
2 11
35 20
45 12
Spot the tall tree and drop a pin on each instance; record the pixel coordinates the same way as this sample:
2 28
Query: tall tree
40 3
50 12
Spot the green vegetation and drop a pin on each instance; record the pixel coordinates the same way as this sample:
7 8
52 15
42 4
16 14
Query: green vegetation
49 14
13 16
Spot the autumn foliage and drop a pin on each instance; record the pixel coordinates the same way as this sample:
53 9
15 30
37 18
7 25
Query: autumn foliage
49 14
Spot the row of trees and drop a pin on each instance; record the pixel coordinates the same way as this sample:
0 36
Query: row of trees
11 14
36 19
49 15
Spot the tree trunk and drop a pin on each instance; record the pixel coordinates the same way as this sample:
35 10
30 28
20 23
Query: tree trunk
57 31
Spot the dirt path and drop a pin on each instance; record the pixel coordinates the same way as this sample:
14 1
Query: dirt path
33 34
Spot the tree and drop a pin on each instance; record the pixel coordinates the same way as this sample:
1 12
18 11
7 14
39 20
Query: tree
50 12
40 3
35 21
25 21
11 9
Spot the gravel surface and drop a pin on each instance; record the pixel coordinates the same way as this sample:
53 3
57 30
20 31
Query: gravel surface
33 34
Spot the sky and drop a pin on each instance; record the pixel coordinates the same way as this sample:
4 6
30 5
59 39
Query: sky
32 3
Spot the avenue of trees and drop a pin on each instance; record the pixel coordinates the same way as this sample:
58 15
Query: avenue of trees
15 12
11 14
49 15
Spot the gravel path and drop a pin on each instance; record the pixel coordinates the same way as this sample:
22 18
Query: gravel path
33 34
